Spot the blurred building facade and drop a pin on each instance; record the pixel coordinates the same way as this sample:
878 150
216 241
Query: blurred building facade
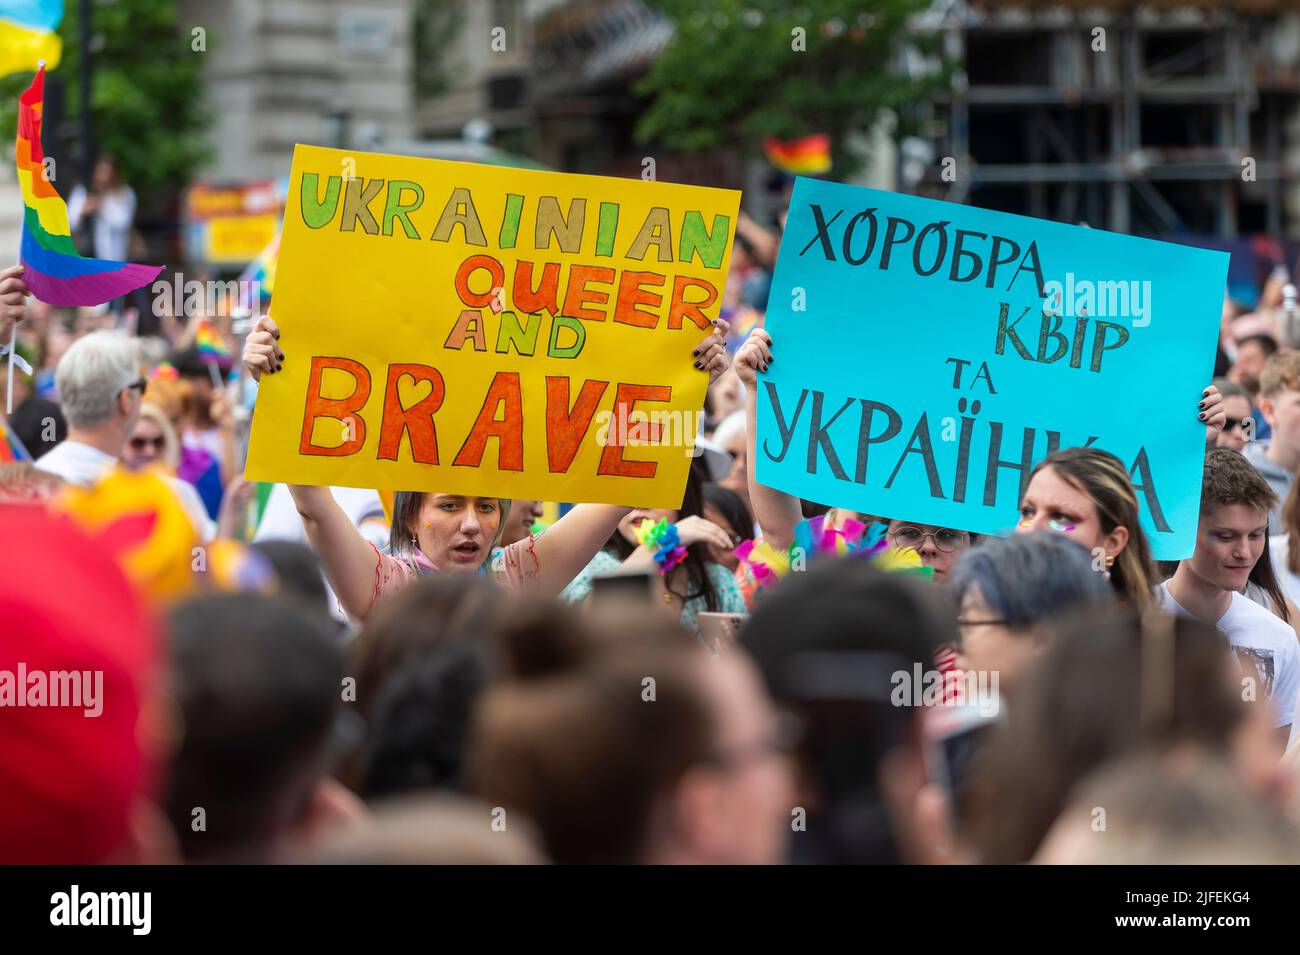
1158 118
280 72
1155 119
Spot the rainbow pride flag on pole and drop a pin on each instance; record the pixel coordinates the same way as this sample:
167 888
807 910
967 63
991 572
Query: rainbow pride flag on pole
11 448
27 34
261 271
52 268
809 156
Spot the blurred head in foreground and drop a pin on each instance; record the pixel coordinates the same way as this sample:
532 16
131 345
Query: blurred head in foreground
1109 686
1185 806
258 684
635 747
433 830
77 758
830 643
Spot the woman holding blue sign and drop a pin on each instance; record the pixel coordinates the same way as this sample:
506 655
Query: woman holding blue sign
449 533
1085 493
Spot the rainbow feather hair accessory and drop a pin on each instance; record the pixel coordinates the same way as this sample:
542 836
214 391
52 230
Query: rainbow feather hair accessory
52 268
663 539
813 540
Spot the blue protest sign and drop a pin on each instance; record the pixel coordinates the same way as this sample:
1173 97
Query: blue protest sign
927 355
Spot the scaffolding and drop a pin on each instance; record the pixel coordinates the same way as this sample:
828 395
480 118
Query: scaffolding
1147 119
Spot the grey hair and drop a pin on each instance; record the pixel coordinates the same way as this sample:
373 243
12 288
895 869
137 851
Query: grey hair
91 374
1030 578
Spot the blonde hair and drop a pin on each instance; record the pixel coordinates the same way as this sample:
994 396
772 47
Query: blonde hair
1281 370
171 444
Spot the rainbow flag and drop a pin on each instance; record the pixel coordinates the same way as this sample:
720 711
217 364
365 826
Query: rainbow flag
53 270
209 343
11 448
27 34
809 156
262 271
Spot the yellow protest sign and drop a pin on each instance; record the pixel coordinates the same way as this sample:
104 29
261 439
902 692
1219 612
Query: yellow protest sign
482 330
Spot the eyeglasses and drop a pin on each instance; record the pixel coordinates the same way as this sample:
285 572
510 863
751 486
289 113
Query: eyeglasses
144 444
993 622
138 385
965 623
946 539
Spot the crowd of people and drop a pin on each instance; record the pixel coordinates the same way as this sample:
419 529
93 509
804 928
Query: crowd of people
267 673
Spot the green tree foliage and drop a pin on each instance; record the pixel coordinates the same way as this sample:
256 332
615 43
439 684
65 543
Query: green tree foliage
734 72
146 90
435 27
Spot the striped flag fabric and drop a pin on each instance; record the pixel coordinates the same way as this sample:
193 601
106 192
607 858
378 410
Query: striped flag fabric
52 268
809 156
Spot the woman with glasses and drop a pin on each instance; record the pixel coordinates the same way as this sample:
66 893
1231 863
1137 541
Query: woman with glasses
778 513
153 444
938 547
1009 590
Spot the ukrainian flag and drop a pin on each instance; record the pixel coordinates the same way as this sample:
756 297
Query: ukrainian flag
27 35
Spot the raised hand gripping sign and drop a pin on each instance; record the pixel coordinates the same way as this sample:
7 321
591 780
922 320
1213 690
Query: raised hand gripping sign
483 330
930 354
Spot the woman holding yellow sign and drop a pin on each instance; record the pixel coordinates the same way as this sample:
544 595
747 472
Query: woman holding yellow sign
449 533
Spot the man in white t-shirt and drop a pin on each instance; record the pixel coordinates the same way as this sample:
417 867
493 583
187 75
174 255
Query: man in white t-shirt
1235 503
101 386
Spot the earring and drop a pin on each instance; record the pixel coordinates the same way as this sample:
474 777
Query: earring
1110 561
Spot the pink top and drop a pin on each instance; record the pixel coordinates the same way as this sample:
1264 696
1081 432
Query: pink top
513 566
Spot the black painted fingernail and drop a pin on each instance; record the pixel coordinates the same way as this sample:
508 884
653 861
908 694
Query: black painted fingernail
771 361
1201 405
696 353
1201 416
699 366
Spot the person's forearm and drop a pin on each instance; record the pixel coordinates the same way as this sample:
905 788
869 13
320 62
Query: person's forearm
776 512
571 542
228 453
642 558
763 242
346 557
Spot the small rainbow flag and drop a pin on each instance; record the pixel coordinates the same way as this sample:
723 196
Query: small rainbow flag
53 269
809 156
209 343
11 448
262 271
27 34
